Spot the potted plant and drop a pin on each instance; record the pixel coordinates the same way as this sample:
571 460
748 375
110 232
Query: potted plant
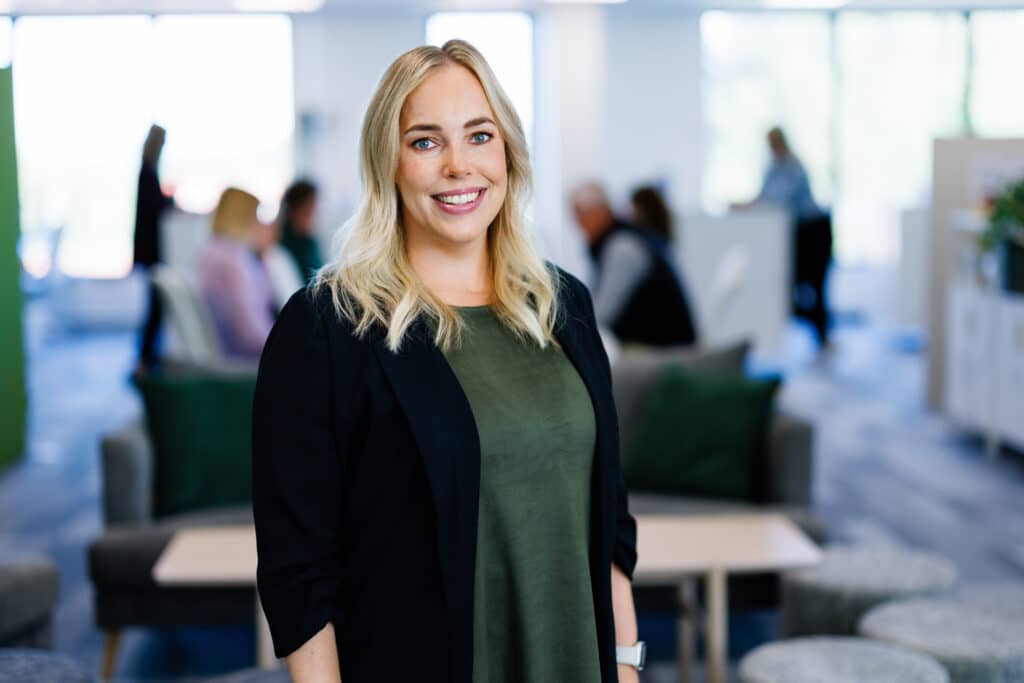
1006 233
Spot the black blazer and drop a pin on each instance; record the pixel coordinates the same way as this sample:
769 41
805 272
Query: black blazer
366 479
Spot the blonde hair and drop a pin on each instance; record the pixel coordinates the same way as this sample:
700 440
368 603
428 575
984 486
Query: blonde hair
235 213
371 279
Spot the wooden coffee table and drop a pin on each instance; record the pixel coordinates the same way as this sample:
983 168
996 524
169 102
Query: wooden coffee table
672 549
217 557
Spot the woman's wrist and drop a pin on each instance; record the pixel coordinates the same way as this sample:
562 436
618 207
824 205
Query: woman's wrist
628 674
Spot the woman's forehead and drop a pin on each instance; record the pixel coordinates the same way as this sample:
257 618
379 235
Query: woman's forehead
448 97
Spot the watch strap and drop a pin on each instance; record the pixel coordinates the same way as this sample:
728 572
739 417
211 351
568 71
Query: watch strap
631 655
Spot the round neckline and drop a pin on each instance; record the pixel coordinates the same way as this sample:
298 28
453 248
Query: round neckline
473 309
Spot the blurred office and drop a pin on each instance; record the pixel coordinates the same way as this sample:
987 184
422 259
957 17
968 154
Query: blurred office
870 400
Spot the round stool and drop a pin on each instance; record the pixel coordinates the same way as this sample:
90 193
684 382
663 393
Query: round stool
1004 597
977 642
838 660
830 599
19 665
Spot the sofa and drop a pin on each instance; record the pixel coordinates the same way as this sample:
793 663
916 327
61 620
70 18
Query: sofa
787 468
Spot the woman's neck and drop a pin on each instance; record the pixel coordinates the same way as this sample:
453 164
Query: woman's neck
459 277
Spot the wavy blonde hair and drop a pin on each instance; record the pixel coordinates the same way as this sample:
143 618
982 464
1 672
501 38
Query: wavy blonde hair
371 278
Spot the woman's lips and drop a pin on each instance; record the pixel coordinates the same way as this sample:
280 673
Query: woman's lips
459 209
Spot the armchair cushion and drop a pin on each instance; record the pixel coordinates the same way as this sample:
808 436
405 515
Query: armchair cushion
701 434
200 422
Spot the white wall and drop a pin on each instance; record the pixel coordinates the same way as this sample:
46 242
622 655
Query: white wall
654 127
338 61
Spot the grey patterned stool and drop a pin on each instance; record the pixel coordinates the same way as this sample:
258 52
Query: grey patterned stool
977 637
38 666
830 599
838 660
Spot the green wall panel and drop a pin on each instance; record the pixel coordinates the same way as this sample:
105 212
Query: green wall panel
12 354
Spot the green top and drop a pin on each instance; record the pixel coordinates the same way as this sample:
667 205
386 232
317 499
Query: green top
304 250
533 610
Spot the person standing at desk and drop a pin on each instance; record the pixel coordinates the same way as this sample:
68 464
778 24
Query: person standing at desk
436 484
786 185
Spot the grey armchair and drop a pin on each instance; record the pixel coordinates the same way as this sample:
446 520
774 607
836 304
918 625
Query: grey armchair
28 596
121 561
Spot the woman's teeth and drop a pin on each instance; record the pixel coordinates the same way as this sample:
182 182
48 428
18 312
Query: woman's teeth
458 198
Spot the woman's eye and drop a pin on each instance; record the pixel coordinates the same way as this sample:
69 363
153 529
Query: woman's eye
480 138
423 143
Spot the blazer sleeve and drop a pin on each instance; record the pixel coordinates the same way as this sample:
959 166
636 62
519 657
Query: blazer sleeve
624 550
297 477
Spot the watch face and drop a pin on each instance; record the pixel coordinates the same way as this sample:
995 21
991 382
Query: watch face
643 655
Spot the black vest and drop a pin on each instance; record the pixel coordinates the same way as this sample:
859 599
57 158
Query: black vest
657 312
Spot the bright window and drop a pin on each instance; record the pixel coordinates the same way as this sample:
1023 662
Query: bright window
861 97
997 94
87 90
902 83
763 70
5 42
506 41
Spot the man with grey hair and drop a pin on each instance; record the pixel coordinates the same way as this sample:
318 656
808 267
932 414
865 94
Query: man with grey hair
637 293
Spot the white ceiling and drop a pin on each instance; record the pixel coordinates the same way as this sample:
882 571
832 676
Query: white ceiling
27 7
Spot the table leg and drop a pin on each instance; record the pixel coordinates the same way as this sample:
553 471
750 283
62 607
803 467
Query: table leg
264 645
687 609
716 638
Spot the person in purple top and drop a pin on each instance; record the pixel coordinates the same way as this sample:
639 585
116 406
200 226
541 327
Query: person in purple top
233 280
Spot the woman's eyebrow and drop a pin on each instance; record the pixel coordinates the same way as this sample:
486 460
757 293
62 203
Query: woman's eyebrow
478 121
428 127
434 128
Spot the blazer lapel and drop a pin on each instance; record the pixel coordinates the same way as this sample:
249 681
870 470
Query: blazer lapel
445 432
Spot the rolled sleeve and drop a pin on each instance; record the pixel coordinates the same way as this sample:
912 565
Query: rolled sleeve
297 478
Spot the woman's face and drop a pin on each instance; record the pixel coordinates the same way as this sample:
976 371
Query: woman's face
451 177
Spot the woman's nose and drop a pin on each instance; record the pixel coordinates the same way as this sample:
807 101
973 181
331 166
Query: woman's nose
455 165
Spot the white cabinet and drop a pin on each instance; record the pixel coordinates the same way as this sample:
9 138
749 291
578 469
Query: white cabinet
1011 365
985 362
972 334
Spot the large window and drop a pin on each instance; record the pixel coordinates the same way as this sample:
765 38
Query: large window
86 89
902 83
5 42
506 41
862 96
997 88
763 70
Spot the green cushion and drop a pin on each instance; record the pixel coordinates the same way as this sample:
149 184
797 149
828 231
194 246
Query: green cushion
201 426
701 434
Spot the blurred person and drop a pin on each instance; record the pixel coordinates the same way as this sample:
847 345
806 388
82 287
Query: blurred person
639 295
298 214
436 484
283 271
786 185
233 280
151 203
650 211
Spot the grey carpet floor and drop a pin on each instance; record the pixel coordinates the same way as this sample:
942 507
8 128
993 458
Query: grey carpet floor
887 471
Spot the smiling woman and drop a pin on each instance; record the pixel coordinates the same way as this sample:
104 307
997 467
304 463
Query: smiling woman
436 482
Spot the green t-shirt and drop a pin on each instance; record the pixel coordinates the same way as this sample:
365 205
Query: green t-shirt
533 610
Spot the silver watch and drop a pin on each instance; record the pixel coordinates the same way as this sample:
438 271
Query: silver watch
632 655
